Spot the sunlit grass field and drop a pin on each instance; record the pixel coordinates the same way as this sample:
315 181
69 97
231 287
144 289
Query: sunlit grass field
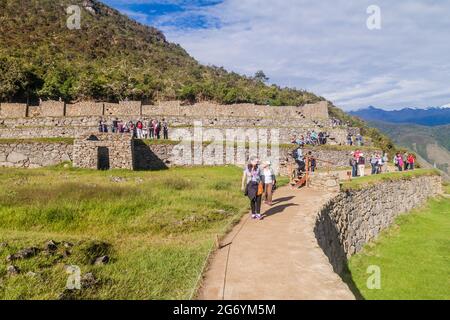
157 228
413 256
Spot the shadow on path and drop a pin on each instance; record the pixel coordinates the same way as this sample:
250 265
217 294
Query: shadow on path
278 209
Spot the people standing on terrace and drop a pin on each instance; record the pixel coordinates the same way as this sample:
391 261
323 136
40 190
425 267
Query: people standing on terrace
165 127
139 127
361 165
405 161
398 161
354 164
385 161
349 139
411 161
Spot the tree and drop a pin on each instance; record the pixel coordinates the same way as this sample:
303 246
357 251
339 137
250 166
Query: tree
261 76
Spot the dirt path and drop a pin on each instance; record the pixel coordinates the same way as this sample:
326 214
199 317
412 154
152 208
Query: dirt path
277 258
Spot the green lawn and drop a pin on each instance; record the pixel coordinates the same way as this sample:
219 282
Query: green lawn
413 256
38 140
157 227
361 182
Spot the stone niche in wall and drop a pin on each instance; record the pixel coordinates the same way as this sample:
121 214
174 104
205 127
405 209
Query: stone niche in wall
103 151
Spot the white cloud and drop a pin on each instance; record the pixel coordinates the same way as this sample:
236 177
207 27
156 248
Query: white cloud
326 47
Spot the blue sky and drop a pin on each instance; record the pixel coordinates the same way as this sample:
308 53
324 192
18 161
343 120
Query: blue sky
321 46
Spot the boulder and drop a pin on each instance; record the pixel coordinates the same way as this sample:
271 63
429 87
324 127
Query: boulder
101 260
16 157
51 246
88 281
12 270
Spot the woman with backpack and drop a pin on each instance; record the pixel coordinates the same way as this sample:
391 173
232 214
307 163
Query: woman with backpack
252 186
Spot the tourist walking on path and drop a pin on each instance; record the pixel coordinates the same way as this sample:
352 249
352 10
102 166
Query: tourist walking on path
269 180
411 161
253 187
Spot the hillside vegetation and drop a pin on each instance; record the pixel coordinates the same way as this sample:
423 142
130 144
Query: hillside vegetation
110 58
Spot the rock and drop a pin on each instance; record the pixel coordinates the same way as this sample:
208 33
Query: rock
88 281
51 246
23 254
118 179
12 270
67 245
66 253
31 274
101 260
16 157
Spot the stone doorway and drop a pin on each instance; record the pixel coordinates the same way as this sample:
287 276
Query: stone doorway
103 162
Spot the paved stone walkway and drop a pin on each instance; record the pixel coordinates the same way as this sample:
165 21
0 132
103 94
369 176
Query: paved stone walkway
276 258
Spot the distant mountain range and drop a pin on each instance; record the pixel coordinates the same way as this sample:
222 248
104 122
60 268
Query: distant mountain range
425 117
424 131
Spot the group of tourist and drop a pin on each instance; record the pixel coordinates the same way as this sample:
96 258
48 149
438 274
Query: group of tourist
258 182
358 163
301 162
405 161
312 138
355 140
379 163
336 122
150 129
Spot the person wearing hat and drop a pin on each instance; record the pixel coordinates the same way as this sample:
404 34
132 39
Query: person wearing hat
251 179
269 180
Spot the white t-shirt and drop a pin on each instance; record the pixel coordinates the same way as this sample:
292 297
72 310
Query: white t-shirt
267 176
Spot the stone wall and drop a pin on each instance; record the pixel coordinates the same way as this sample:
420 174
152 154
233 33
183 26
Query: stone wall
34 154
49 108
174 108
103 151
84 108
163 155
75 126
123 108
354 217
13 110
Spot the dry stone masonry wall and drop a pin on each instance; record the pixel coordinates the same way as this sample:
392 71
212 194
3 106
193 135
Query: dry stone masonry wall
34 154
103 151
171 108
354 217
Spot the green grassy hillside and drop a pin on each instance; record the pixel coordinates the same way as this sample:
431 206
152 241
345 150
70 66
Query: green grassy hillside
111 57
